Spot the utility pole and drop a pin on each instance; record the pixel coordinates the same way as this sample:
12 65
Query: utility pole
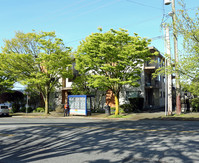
177 77
168 84
178 104
166 87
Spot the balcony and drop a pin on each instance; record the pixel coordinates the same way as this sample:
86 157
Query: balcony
150 66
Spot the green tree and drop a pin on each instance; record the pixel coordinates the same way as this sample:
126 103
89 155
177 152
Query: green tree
188 28
80 86
6 80
37 60
112 59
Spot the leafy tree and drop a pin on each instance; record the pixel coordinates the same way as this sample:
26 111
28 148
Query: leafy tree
188 27
11 96
112 59
6 80
80 86
37 60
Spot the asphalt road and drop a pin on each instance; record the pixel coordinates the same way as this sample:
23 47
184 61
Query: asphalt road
81 140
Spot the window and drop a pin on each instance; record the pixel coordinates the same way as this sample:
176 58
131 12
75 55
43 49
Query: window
159 62
132 94
159 78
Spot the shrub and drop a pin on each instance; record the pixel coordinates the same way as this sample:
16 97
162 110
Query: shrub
15 107
127 108
136 103
30 109
195 104
121 110
39 110
23 109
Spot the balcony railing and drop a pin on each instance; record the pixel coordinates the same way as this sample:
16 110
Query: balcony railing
149 65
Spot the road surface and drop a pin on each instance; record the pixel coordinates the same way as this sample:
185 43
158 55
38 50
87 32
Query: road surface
84 140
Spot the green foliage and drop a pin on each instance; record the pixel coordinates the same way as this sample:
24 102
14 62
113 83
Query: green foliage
195 104
29 109
188 28
80 87
38 60
15 107
6 80
39 110
137 103
11 96
23 109
112 59
116 116
127 108
121 110
188 65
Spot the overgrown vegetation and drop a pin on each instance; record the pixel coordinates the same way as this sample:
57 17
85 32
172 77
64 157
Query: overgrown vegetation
195 104
23 109
39 110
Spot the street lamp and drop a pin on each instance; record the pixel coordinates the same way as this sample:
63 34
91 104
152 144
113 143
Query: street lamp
167 2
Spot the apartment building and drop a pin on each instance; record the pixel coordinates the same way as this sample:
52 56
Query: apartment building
154 88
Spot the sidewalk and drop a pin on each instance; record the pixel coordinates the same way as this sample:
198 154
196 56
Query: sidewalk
133 116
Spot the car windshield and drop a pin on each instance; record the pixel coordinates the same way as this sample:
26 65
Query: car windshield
4 107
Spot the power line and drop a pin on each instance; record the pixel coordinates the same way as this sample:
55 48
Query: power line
143 21
94 9
142 4
80 7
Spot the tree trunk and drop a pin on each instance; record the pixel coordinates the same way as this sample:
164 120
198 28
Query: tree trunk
46 101
116 104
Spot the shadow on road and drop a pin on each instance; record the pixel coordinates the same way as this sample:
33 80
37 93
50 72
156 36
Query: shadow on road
116 141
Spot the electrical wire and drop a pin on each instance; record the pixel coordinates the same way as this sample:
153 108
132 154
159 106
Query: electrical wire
143 21
142 4
80 7
94 9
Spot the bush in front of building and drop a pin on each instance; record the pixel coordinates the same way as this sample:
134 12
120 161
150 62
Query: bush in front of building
126 108
121 110
39 110
15 107
23 109
137 103
195 104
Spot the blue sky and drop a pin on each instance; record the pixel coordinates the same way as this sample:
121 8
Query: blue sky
73 20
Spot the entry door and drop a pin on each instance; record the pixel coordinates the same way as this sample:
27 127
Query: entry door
149 94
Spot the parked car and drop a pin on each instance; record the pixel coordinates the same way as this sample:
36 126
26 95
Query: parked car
4 110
